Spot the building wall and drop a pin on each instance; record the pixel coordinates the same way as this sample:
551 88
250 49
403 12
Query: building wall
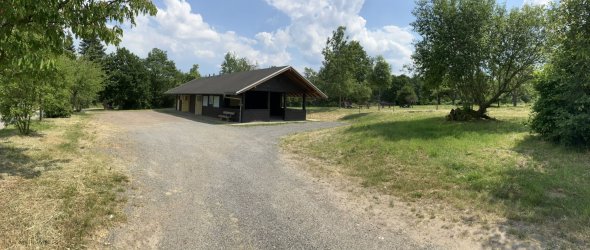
295 115
185 103
250 115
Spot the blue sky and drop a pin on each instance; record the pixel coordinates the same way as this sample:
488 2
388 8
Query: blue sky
274 32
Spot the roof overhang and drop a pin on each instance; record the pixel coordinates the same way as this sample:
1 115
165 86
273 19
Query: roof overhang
293 74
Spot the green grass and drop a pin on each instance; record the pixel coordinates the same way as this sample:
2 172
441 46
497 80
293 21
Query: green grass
491 166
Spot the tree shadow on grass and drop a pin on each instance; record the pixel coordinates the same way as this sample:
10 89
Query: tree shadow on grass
549 190
15 162
12 131
353 116
431 128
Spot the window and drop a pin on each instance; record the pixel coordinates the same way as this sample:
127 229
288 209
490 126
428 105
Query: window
205 100
210 100
216 101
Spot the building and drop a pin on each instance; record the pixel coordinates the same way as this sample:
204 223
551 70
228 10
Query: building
257 95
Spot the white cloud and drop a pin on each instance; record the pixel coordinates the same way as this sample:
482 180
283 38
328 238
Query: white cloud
537 2
189 39
186 36
312 22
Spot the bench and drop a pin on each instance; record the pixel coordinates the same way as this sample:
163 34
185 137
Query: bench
227 115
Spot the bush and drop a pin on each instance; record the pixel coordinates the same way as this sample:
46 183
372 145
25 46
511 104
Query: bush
407 96
562 113
58 108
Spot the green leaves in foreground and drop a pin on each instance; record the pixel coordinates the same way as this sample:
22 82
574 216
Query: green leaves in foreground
562 113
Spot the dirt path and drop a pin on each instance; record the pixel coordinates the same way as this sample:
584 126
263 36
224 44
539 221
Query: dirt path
196 184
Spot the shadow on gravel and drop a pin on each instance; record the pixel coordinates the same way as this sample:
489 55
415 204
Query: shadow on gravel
192 117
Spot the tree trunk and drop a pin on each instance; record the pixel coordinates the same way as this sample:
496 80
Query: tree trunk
40 109
514 98
379 100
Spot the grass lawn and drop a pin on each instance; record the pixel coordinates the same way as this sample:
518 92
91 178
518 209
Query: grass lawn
57 188
493 167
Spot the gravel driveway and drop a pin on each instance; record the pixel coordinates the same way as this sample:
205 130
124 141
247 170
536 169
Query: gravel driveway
200 185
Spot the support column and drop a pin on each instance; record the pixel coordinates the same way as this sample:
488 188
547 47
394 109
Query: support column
303 102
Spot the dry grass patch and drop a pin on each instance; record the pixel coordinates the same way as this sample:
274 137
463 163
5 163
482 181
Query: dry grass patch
57 187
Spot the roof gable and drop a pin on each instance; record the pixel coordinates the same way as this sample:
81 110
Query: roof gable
237 83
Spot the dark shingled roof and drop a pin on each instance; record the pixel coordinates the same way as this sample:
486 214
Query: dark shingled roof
237 83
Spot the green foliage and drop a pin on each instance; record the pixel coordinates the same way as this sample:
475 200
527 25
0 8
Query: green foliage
128 85
163 75
562 112
232 64
407 96
92 49
381 76
31 27
84 80
194 73
58 105
23 92
346 68
477 48
33 32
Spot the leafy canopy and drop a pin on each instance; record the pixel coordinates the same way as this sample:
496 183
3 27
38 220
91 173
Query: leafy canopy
29 27
477 47
562 112
232 64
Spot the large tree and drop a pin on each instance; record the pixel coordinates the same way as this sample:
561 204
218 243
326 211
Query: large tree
30 27
381 76
163 75
194 72
346 68
92 49
562 112
128 85
84 80
477 48
232 64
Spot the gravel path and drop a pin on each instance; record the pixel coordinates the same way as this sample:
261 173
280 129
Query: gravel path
200 185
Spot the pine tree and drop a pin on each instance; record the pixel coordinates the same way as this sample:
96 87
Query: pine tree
92 49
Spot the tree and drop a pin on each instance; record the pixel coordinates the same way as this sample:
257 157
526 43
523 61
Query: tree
562 112
92 49
346 67
232 64
128 85
25 91
84 80
381 76
407 96
477 48
31 27
32 33
194 72
163 75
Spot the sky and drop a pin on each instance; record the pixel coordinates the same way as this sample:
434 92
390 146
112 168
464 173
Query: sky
274 32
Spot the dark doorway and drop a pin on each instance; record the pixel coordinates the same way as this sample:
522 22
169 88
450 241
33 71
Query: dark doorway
276 105
191 107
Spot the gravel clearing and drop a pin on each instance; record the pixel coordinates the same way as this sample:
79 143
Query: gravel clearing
196 184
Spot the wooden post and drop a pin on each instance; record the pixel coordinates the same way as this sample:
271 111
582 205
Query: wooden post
303 102
242 105
268 105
